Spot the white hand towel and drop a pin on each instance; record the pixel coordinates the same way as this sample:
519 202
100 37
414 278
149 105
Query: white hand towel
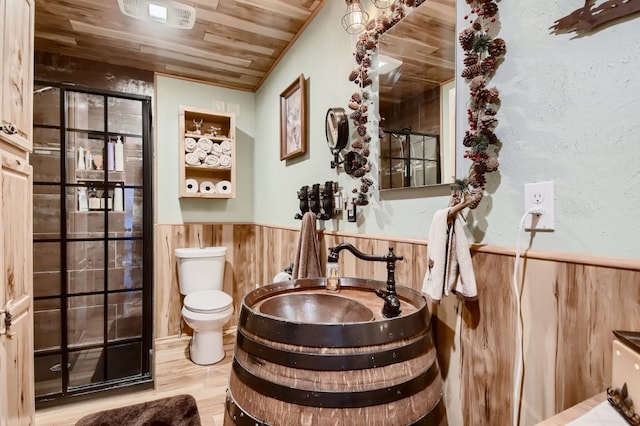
461 279
225 161
212 160
216 148
192 159
225 145
190 144
205 144
434 278
449 266
200 153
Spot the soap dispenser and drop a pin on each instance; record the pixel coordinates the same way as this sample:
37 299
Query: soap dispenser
119 155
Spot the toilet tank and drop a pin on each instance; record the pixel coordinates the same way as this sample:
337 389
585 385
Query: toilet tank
200 268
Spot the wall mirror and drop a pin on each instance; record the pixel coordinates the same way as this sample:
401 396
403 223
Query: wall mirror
416 64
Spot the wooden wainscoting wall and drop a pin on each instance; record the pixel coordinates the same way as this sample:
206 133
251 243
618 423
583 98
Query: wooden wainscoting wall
570 305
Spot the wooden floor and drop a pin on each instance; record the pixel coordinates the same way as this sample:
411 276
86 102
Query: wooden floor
175 374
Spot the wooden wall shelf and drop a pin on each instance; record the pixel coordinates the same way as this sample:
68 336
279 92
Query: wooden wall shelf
207 154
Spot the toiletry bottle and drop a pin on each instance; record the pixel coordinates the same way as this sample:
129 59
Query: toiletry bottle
88 159
118 199
111 153
332 279
81 163
119 155
83 203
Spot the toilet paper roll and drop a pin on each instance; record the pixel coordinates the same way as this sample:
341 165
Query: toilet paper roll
223 187
192 185
207 187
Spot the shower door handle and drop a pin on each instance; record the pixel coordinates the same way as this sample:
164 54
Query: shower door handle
5 320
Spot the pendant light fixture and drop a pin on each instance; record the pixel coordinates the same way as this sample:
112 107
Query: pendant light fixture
356 18
382 4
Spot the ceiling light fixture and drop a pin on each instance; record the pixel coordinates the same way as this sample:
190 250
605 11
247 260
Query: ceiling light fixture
382 4
356 18
167 12
157 13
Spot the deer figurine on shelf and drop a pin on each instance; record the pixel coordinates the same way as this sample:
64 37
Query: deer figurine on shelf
198 126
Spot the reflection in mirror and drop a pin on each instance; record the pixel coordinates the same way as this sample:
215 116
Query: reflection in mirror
416 65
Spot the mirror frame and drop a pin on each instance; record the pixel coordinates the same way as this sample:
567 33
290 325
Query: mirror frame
483 53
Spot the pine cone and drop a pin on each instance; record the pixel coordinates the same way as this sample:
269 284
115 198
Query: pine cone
497 48
362 130
354 74
366 152
466 38
488 122
471 58
477 83
355 116
471 71
489 9
491 137
477 180
468 140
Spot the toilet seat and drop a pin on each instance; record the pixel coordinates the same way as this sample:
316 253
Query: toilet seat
208 302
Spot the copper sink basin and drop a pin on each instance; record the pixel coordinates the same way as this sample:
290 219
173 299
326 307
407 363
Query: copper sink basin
316 308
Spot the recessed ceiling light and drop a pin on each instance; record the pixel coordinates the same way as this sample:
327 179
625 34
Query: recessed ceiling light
157 13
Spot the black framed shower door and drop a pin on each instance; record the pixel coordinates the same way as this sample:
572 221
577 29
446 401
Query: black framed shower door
92 242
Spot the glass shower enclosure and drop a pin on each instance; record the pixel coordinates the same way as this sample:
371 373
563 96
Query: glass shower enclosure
92 242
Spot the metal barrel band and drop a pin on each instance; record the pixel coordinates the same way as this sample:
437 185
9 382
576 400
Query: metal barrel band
330 362
337 399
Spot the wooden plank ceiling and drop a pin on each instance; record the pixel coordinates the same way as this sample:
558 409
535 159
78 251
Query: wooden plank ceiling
234 43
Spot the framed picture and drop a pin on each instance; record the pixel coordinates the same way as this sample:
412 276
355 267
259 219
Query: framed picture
293 120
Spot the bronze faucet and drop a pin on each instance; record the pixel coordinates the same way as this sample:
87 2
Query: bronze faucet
391 306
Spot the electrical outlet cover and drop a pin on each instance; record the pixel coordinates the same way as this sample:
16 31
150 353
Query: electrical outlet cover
539 196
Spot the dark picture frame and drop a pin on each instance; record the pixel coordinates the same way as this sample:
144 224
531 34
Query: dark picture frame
293 119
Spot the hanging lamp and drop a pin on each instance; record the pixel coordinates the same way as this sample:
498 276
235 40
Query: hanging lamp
382 4
356 18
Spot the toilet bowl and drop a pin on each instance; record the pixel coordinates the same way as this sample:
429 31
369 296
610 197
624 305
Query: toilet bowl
206 307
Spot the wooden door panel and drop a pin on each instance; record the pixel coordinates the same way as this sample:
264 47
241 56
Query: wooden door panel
16 342
16 83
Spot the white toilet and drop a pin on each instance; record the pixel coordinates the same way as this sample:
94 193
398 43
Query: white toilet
206 307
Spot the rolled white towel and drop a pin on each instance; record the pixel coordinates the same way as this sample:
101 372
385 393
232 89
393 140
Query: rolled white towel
225 161
216 148
190 144
205 144
212 160
200 153
226 146
192 159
